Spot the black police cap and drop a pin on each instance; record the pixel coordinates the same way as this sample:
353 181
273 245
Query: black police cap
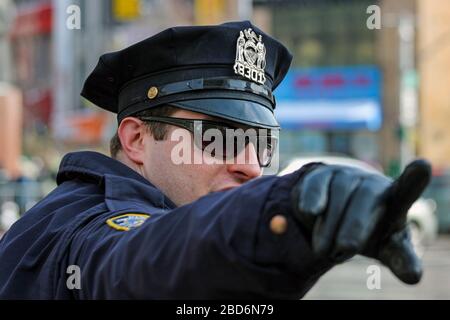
227 71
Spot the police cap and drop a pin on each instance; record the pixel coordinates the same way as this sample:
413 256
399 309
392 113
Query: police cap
227 71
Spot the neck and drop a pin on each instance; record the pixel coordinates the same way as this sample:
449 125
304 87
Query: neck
126 161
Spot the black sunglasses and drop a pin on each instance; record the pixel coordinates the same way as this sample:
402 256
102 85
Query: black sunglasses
237 137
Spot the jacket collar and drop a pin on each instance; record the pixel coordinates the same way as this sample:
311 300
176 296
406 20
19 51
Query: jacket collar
124 188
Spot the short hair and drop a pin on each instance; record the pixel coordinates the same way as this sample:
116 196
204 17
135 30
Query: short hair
157 130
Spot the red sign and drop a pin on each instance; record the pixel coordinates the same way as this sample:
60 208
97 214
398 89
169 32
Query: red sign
33 20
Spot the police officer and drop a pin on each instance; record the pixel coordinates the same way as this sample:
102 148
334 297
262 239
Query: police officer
139 225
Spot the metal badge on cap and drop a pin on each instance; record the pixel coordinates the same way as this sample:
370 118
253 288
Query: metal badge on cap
250 56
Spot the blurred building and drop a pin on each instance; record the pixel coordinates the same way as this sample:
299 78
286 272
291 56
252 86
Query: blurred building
30 36
333 98
433 134
10 101
433 60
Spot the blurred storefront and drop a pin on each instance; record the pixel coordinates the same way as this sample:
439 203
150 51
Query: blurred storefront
331 100
331 109
30 36
433 60
433 134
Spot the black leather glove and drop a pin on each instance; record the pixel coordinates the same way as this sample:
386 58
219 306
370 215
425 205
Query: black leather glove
348 211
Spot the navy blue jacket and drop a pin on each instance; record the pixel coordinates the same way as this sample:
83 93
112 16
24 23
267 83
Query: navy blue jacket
219 246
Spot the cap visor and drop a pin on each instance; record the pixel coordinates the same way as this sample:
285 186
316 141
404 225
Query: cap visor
241 111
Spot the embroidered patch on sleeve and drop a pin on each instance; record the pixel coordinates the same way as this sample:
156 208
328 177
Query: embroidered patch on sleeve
127 221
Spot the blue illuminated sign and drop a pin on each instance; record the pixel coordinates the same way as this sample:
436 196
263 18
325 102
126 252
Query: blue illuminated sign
347 98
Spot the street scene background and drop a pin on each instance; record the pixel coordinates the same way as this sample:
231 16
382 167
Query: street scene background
368 87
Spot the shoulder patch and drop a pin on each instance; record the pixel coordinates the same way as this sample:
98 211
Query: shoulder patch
127 221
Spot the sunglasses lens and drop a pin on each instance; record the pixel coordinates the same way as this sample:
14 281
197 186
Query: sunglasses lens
210 139
224 142
266 148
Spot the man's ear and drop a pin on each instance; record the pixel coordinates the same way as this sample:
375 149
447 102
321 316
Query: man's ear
131 133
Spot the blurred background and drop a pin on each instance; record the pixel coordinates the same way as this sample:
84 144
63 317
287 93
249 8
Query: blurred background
369 86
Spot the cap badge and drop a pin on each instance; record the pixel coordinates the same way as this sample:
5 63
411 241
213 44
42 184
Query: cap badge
250 56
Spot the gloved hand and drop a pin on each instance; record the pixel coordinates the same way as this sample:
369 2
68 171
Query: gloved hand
348 211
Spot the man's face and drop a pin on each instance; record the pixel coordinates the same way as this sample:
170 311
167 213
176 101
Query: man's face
186 182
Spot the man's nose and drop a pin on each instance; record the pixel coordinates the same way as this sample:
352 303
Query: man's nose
245 165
